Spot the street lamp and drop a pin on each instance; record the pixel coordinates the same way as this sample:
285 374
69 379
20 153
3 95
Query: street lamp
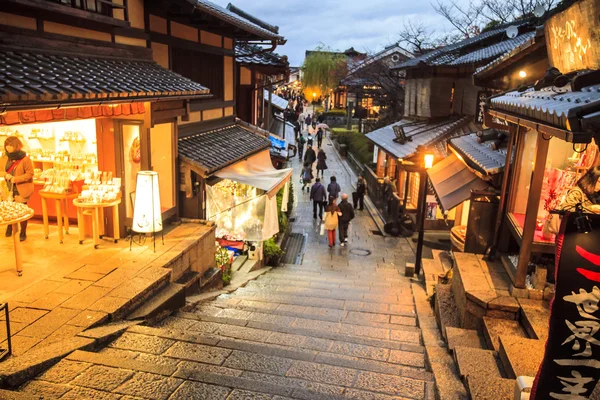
427 163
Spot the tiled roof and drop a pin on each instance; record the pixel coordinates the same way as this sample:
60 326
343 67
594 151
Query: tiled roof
492 51
218 148
419 134
564 109
486 160
276 101
252 18
234 19
246 54
526 44
448 54
27 77
388 51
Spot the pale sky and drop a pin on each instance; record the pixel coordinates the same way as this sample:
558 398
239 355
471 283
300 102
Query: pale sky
366 25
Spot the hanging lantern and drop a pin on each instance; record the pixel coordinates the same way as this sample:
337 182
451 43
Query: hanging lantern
147 217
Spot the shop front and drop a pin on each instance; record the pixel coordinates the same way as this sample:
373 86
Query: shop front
397 154
238 183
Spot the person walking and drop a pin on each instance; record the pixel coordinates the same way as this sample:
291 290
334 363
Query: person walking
388 193
310 156
309 139
333 189
306 176
361 191
321 164
17 170
308 120
332 214
318 195
319 137
301 119
344 220
301 141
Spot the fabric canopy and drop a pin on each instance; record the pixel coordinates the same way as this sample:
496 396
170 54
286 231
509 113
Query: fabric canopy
257 171
453 182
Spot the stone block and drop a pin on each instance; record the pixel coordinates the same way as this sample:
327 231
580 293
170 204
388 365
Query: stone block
475 309
549 292
536 294
539 277
409 270
519 293
502 314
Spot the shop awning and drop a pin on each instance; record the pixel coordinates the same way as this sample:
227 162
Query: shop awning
257 171
479 156
34 78
277 102
212 150
453 182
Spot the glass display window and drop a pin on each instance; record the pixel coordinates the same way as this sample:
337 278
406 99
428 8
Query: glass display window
565 163
163 161
132 163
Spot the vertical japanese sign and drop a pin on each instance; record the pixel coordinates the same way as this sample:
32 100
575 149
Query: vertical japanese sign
571 365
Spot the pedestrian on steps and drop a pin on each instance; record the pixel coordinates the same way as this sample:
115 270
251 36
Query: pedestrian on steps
318 195
321 164
306 176
310 156
361 191
333 189
332 214
301 142
319 137
344 221
308 120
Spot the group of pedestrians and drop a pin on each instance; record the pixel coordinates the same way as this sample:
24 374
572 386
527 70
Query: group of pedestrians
336 216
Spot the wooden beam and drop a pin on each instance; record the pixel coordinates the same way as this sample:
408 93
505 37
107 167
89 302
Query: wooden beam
44 7
210 104
188 45
16 38
533 202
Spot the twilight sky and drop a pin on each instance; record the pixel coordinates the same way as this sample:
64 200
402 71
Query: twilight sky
367 25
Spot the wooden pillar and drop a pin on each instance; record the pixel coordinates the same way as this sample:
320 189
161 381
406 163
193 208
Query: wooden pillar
533 202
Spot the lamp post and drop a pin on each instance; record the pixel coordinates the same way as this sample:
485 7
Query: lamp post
427 163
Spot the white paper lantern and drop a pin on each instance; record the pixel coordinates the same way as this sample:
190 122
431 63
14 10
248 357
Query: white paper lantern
147 217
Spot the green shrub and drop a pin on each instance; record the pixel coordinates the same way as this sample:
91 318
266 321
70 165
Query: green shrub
272 252
335 113
358 144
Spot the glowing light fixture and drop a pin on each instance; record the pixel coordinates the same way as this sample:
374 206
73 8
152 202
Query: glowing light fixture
522 74
428 161
147 217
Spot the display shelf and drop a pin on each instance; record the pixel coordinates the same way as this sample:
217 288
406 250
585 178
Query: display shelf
540 245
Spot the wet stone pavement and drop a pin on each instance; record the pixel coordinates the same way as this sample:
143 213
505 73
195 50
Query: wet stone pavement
340 325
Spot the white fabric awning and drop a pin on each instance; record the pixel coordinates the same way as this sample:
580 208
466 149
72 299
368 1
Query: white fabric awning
257 171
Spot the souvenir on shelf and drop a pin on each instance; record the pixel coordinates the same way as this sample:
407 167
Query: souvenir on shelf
100 188
60 180
11 211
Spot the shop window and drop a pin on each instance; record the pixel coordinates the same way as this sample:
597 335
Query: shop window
413 190
204 68
132 164
565 163
162 161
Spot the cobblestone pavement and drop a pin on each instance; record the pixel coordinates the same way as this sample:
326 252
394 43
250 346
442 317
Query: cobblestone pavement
340 325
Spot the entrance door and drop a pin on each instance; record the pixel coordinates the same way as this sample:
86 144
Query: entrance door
129 158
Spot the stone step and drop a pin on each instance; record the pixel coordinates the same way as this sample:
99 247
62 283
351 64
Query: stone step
534 316
464 337
250 265
191 281
494 327
310 281
10 395
373 297
170 298
520 356
487 387
322 313
448 383
211 280
446 313
472 361
410 334
327 289
336 353
403 308
227 370
166 374
238 262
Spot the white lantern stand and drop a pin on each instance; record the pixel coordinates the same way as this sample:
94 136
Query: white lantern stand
147 215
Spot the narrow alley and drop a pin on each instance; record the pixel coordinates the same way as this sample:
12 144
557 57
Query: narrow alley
340 325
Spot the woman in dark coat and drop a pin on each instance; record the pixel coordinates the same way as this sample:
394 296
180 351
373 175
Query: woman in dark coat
321 164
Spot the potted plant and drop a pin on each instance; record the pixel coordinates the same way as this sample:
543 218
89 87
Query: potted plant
272 253
223 260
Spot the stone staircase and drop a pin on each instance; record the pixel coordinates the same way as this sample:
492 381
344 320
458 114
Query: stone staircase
297 332
492 342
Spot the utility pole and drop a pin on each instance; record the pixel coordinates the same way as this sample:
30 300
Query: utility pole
269 108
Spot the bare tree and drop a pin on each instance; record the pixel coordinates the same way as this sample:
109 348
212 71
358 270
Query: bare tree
416 36
462 18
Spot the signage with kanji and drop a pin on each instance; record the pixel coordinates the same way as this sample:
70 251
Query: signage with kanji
571 365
